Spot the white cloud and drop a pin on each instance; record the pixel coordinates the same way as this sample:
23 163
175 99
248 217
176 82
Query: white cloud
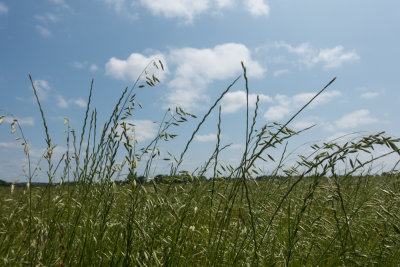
79 102
93 67
206 138
233 101
355 119
123 8
196 68
10 145
42 88
144 130
287 105
185 9
370 95
60 3
280 72
132 67
22 121
62 103
257 7
85 65
329 57
3 9
43 31
225 3
299 125
335 57
340 136
46 17
237 146
79 64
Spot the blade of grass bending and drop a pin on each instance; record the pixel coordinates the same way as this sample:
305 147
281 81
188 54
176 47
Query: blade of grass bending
244 162
86 116
202 121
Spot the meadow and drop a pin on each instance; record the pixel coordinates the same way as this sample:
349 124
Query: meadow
327 209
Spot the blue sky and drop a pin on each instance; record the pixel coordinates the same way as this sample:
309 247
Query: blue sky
291 50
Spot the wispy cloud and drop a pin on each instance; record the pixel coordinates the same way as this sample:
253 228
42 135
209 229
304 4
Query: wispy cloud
30 121
63 103
3 9
93 67
43 31
79 102
46 18
85 65
187 10
287 105
43 88
61 4
355 119
206 138
257 7
10 145
280 72
233 101
370 95
328 57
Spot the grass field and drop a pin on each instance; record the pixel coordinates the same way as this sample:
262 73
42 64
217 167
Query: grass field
328 209
345 221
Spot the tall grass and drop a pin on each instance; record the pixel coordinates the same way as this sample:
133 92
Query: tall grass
315 212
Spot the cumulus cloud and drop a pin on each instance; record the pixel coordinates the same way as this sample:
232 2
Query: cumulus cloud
129 69
3 9
280 72
257 7
143 130
193 70
370 95
206 138
355 119
196 68
233 101
287 105
43 30
187 10
329 57
43 88
22 121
